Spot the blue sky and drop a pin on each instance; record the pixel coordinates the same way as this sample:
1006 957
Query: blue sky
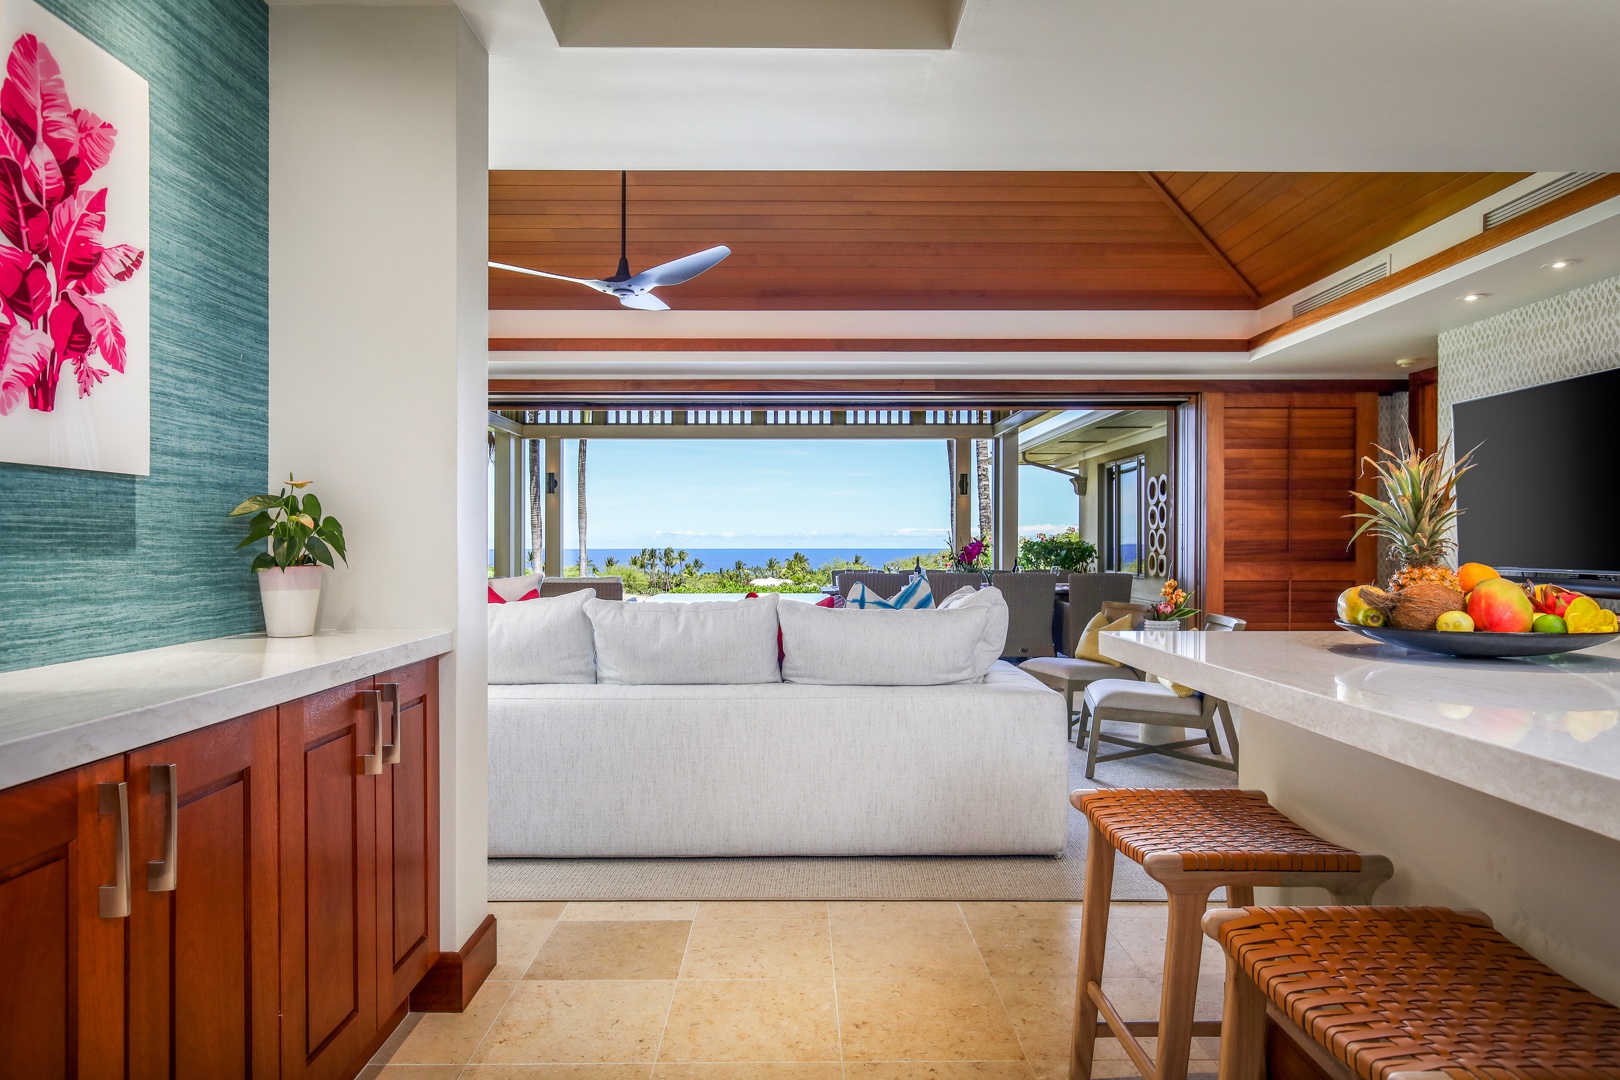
771 493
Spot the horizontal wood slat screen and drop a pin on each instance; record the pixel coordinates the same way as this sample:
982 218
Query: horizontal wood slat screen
1280 468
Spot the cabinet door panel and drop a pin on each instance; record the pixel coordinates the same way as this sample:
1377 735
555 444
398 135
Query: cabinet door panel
62 994
328 884
407 844
204 1000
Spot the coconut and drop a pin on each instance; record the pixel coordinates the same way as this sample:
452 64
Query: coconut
1416 607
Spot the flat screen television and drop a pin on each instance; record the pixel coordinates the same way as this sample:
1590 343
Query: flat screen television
1543 498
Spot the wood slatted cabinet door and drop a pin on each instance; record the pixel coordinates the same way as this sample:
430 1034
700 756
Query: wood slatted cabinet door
328 811
62 988
407 839
204 998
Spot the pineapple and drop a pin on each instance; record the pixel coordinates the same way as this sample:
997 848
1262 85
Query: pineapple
1416 513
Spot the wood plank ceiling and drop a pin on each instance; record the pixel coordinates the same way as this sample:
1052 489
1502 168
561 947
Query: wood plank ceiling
962 240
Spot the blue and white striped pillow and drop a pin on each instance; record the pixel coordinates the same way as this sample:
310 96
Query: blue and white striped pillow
913 597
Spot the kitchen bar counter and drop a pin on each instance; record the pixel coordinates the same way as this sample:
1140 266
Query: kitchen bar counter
1492 784
65 715
1540 733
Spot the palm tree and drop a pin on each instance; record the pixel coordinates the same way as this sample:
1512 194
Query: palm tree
584 559
950 463
981 461
537 501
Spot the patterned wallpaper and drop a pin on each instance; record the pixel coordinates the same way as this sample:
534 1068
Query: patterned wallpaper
92 563
1576 333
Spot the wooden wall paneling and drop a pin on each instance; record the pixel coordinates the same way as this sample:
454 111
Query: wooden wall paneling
62 995
1423 409
407 841
204 997
328 885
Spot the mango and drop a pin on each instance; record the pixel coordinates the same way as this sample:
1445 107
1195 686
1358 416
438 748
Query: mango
1499 606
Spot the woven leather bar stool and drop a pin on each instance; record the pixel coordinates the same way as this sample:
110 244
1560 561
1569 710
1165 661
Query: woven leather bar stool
1192 841
1393 993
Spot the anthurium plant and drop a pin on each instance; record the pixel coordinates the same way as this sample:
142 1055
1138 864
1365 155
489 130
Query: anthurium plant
298 533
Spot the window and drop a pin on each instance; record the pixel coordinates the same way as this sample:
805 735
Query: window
1124 512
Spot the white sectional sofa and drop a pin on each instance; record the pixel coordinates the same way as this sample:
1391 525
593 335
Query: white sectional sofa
940 750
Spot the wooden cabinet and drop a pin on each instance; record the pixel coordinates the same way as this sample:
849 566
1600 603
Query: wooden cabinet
1279 472
63 854
204 998
359 865
254 899
407 836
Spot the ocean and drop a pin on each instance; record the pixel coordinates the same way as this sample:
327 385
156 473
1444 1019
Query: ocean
724 558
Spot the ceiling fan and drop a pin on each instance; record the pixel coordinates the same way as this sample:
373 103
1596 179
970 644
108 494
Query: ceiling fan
635 290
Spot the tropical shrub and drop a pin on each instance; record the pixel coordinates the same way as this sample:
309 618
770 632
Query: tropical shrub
1064 551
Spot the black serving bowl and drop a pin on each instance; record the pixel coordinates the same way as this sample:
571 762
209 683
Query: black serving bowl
1477 642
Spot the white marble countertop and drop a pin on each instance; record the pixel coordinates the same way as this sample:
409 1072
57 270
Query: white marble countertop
65 715
1540 733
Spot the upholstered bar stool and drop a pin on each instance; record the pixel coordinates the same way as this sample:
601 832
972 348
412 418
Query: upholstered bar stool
1393 993
1192 841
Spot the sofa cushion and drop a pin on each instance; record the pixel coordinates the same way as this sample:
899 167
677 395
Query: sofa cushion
669 643
546 640
851 647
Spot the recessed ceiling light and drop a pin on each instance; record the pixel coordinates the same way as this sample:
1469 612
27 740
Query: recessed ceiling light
1559 264
1471 297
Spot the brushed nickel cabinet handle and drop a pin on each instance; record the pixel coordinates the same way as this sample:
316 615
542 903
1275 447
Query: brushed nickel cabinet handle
114 898
162 875
390 698
372 764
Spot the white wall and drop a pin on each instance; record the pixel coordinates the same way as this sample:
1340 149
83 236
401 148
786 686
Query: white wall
378 346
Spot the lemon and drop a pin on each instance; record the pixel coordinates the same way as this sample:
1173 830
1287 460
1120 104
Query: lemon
1456 621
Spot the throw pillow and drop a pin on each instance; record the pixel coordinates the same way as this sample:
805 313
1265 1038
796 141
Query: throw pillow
832 602
515 588
914 596
1175 687
661 644
958 598
1087 648
497 598
547 641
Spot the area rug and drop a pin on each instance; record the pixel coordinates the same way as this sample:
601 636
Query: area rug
1008 877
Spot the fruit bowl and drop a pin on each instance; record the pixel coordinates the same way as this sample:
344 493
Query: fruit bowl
1478 642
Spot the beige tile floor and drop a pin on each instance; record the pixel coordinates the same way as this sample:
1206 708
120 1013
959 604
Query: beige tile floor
789 990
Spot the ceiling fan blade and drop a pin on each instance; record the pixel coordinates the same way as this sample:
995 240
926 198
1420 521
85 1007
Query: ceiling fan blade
684 269
644 302
591 282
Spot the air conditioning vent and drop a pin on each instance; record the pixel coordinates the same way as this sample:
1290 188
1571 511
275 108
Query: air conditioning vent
1348 285
1541 196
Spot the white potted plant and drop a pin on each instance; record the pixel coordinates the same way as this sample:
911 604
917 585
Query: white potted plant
1171 611
289 571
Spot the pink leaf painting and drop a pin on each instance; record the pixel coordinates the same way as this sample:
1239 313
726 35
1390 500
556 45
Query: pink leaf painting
53 262
24 355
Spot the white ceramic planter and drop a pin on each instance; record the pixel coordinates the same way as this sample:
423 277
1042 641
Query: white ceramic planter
290 598
1162 624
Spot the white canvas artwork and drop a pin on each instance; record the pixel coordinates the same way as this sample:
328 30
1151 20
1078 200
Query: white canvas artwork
75 250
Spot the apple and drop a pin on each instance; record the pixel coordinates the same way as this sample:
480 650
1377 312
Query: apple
1499 606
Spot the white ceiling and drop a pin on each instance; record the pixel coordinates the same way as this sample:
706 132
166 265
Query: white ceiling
1088 84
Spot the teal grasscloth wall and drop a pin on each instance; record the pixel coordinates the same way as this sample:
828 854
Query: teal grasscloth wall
92 563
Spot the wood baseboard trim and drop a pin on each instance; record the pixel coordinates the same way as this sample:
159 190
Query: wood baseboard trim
456 976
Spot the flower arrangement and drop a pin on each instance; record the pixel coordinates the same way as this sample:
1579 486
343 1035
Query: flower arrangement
1064 551
299 535
54 266
1172 607
972 556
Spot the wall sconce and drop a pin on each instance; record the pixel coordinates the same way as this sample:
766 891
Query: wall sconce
963 484
551 483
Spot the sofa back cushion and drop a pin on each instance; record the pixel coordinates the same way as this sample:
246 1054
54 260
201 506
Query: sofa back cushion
545 640
719 641
850 647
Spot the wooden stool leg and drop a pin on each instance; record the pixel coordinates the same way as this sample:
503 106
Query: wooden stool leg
1183 949
1240 896
1093 946
1243 1027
